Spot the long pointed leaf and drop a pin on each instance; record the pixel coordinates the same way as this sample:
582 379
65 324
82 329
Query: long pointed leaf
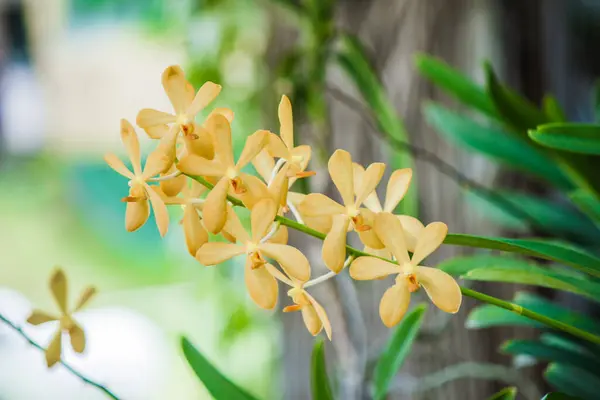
546 352
503 146
539 213
551 250
505 268
397 349
219 386
455 84
519 112
571 137
573 381
319 380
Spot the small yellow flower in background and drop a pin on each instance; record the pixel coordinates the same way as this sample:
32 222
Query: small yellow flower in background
228 173
397 187
441 288
193 229
317 205
138 209
58 286
186 104
314 315
297 158
259 281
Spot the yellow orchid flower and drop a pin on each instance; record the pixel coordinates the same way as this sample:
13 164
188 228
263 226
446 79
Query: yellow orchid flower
344 217
397 187
441 288
58 286
259 281
298 157
314 315
186 105
248 187
138 209
193 229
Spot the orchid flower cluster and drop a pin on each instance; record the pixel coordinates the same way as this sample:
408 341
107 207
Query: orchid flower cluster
193 167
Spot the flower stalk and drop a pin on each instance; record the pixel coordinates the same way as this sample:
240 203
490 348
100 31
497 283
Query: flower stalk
550 322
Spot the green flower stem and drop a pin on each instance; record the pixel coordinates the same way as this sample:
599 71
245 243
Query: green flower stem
517 309
553 323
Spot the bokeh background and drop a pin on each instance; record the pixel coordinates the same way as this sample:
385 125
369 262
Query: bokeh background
70 69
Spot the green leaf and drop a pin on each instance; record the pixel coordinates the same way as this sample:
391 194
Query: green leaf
218 385
553 110
516 110
504 268
502 146
559 396
522 212
486 316
571 137
546 352
572 380
353 59
455 83
587 203
397 349
319 381
509 393
551 250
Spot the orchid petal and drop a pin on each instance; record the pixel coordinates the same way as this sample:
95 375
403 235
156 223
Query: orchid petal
334 245
368 268
430 239
397 187
441 288
261 285
390 232
394 304
213 253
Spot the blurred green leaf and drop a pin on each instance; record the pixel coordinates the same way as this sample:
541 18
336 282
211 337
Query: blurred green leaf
503 268
503 146
455 83
540 213
486 316
354 61
516 110
553 110
561 252
219 386
546 352
573 381
558 396
319 380
571 137
587 203
398 346
508 393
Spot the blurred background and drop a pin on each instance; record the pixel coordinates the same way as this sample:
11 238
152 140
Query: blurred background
70 69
